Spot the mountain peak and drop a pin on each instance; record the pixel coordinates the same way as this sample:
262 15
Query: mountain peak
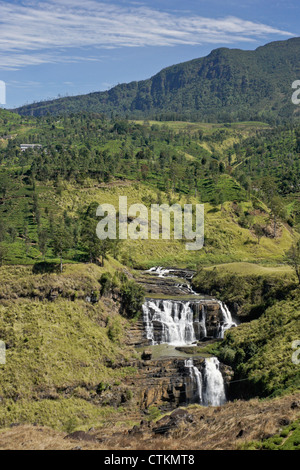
227 84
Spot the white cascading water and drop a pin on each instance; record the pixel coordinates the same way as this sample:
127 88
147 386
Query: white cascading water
160 271
187 287
208 387
213 383
196 380
175 319
227 320
172 322
203 321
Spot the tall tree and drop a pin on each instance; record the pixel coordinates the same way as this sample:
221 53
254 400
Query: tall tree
61 243
43 236
258 231
3 254
96 248
293 258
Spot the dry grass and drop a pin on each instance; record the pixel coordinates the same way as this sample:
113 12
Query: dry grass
215 428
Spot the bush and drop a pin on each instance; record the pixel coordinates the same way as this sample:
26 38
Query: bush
106 283
154 413
132 298
115 331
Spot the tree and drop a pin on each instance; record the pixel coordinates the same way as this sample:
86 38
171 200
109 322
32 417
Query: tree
274 202
4 185
133 296
105 246
13 232
258 231
3 254
61 243
95 247
293 258
3 230
26 238
36 209
144 171
43 240
277 211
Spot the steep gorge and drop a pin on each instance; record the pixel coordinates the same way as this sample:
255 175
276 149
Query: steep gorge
182 376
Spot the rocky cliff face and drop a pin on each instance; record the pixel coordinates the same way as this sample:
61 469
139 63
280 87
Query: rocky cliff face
167 383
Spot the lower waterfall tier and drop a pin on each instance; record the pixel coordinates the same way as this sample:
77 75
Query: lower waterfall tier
172 382
205 386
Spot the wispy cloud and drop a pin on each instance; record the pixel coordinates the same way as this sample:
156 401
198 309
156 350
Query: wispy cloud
35 32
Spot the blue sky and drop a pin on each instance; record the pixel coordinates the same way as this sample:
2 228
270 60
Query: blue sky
58 47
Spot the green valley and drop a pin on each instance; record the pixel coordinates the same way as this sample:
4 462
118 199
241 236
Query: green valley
131 344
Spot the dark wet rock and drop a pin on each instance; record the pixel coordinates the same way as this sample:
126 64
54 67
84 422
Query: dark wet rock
284 422
147 355
173 421
295 404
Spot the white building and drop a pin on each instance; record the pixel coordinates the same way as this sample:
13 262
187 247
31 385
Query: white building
24 147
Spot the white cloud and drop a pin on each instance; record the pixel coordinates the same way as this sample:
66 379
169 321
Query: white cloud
36 32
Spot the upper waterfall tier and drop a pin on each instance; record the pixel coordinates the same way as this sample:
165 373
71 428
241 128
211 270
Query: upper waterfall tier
180 322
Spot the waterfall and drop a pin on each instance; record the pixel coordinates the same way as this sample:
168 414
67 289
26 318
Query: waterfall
196 382
160 271
181 322
214 390
187 287
227 320
171 320
203 321
206 388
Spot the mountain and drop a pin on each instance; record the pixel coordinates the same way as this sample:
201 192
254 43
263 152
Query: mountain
228 84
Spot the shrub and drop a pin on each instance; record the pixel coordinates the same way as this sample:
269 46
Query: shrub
106 283
132 298
115 331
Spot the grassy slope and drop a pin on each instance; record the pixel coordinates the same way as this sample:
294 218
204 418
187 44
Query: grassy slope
237 425
225 239
260 351
287 439
57 351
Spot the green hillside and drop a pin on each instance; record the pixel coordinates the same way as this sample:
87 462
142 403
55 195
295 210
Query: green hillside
70 304
87 160
227 85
